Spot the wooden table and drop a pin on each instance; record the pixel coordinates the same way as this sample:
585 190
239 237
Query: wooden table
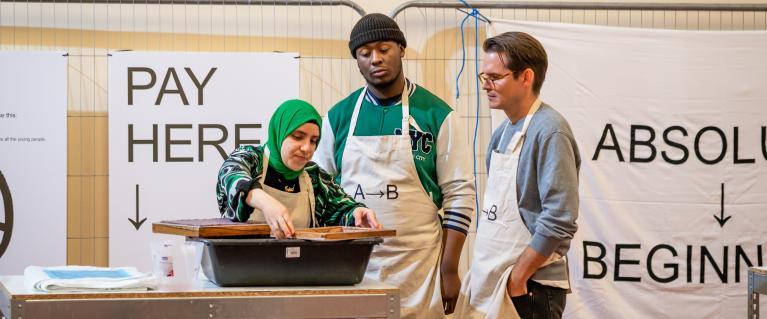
757 284
369 299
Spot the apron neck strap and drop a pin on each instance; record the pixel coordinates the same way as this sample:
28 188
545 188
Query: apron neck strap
516 141
264 164
405 110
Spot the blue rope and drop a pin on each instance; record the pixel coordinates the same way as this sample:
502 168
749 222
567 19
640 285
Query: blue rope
474 13
463 60
476 118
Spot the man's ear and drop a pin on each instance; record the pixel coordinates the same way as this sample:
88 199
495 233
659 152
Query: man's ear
529 76
401 51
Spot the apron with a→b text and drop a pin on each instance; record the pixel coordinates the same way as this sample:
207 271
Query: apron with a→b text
410 261
501 236
300 205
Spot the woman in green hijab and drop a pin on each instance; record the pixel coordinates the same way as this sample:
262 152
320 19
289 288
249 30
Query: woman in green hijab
288 192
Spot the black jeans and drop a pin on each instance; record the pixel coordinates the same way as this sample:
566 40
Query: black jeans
540 302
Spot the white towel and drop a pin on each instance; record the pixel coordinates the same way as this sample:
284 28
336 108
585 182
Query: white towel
87 278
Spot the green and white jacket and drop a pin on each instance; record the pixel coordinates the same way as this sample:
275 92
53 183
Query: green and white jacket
240 173
439 144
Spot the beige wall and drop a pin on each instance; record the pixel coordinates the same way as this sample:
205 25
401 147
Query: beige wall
89 31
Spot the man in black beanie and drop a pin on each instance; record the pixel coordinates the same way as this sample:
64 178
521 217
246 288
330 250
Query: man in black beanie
400 150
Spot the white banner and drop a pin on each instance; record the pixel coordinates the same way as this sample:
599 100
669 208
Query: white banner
671 130
173 119
33 160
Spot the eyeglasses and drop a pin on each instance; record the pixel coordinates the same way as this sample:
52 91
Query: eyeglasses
484 78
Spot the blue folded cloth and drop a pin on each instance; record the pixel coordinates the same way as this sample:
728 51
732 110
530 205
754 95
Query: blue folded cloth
87 278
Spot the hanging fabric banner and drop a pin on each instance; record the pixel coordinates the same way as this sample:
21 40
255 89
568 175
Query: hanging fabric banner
671 129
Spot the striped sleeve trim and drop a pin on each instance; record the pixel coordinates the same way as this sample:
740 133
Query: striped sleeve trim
456 221
457 216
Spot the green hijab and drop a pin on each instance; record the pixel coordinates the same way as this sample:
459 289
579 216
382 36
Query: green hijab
287 118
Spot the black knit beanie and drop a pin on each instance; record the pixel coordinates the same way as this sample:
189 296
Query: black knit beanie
375 27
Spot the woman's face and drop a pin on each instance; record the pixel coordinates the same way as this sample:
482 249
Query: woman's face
299 146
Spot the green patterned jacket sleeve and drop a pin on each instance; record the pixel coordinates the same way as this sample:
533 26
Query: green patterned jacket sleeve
332 205
235 179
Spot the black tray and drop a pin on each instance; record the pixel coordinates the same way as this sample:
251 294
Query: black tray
285 262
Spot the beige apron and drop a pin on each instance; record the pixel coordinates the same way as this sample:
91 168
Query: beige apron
382 167
501 237
300 205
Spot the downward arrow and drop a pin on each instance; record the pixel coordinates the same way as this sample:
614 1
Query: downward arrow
721 219
137 223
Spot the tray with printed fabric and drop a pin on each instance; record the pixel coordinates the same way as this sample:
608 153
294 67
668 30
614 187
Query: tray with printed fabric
243 254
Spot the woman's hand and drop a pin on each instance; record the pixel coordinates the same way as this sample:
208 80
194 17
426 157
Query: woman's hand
276 215
365 217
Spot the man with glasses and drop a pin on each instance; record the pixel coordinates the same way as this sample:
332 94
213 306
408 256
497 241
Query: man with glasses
530 205
399 149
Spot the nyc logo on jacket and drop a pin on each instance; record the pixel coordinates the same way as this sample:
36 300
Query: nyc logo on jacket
419 141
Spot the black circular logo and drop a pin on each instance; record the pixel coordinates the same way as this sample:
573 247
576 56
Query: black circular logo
7 225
